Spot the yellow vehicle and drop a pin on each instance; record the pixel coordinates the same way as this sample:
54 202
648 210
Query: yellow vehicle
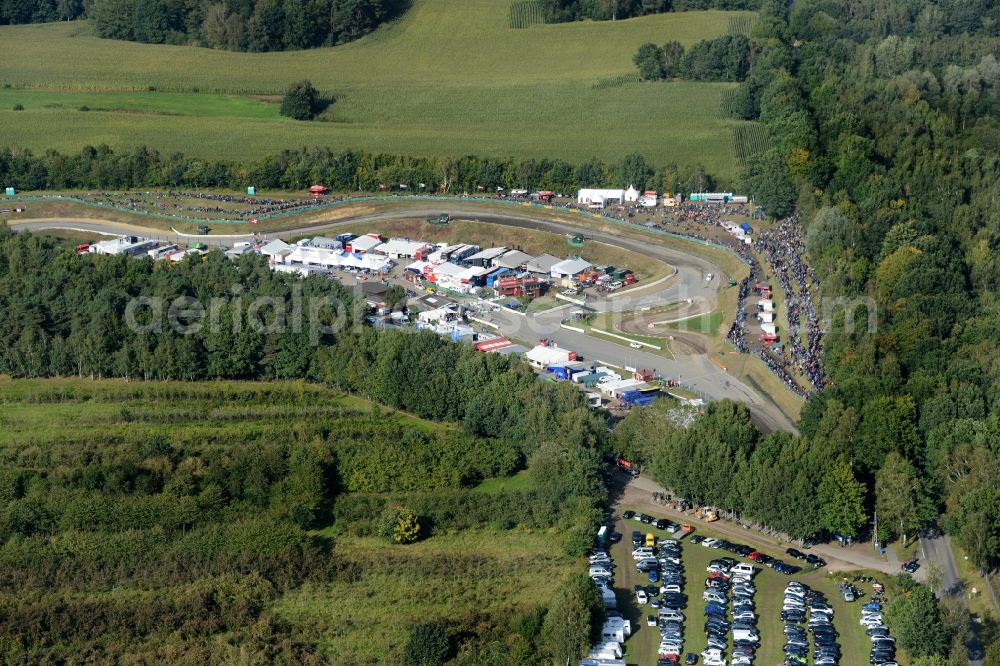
707 515
650 539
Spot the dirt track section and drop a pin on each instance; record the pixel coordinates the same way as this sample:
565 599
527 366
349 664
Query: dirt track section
638 495
682 343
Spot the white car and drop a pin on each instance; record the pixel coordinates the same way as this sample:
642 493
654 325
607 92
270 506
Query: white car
641 597
671 615
712 657
635 345
668 589
710 542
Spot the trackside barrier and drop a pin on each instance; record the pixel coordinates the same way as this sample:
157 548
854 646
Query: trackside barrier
572 328
570 299
484 322
622 337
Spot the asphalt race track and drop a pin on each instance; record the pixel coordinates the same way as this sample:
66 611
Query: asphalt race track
689 282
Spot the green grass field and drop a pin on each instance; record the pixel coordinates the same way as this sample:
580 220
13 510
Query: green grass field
366 621
707 324
449 78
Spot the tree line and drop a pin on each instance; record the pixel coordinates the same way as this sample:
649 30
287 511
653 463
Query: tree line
725 58
341 171
561 11
236 25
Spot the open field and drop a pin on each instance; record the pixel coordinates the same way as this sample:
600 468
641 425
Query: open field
423 85
453 578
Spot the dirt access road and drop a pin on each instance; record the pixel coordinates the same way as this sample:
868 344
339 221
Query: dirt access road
637 494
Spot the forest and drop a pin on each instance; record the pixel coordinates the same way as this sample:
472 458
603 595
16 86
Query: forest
203 504
884 145
561 11
347 171
236 25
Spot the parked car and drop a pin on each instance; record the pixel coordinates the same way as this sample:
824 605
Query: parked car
628 515
795 554
911 566
815 560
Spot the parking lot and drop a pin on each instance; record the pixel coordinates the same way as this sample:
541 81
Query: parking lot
770 585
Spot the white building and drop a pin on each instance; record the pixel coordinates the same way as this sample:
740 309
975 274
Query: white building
569 268
402 248
130 245
276 250
365 243
445 313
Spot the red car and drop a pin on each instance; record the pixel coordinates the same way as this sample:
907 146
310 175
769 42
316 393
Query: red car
754 556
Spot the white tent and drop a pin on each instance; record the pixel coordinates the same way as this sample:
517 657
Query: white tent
589 196
632 194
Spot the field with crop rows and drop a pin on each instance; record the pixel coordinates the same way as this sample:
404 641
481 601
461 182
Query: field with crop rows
749 139
523 14
449 78
742 24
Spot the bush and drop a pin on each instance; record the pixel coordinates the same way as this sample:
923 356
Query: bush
399 524
301 101
427 646
19 107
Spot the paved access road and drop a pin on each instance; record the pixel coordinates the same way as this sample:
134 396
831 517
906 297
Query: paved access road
689 282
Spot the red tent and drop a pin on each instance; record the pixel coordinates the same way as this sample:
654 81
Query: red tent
317 190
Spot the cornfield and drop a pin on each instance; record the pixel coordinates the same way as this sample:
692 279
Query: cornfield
616 81
727 104
427 85
525 13
749 140
742 24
